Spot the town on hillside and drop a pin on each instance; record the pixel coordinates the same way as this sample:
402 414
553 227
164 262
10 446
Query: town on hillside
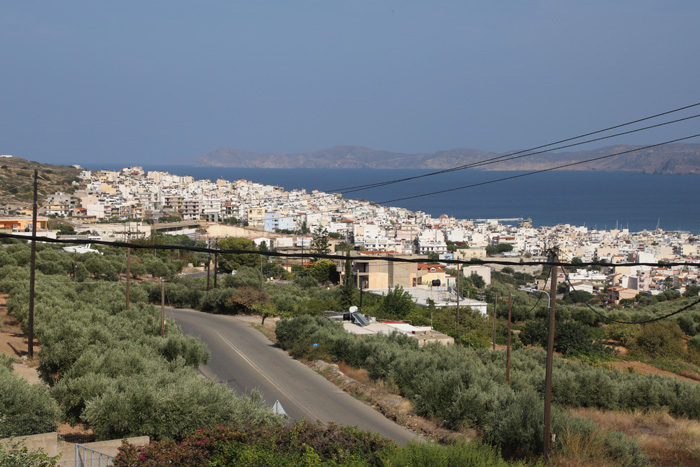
131 204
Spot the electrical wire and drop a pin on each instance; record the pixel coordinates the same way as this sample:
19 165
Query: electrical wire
314 255
391 259
550 169
539 297
578 299
497 159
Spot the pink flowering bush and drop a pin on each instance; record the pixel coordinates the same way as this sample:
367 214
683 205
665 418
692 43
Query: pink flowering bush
303 443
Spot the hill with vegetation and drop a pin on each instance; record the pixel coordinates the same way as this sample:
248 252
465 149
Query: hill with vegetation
17 181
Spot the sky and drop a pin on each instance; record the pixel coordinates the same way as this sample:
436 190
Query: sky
154 81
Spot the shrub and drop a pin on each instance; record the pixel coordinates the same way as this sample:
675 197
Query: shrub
658 340
245 299
398 303
6 361
217 301
570 337
20 456
302 443
170 405
623 333
25 409
109 366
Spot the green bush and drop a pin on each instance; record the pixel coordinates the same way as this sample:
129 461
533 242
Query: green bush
658 340
6 361
25 409
170 404
623 333
570 337
19 456
109 366
465 387
453 455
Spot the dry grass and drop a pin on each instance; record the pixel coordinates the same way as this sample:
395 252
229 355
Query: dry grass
354 373
686 437
690 375
668 441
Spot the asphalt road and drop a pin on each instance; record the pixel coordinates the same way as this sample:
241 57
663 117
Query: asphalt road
246 360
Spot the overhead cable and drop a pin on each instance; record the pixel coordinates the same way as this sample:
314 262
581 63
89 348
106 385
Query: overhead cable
550 169
277 254
498 158
607 318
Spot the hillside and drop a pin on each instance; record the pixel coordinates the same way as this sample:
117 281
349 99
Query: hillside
671 159
17 181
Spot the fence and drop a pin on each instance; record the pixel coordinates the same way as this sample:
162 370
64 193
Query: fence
87 457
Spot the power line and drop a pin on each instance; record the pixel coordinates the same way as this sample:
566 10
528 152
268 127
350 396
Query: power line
497 159
578 299
550 169
506 158
539 297
473 261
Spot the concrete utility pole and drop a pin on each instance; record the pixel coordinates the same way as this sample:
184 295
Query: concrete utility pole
550 357
32 266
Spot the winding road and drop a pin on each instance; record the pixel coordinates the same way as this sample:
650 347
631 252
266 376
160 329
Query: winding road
245 359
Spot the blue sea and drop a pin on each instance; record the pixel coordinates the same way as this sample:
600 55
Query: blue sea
595 199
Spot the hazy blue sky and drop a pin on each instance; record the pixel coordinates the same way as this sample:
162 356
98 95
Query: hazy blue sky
153 81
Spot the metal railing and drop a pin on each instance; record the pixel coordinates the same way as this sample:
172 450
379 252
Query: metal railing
87 457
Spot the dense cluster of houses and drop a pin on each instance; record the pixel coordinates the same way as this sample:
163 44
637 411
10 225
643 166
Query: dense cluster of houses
285 219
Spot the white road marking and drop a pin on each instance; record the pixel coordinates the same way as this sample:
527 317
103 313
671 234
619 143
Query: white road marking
262 373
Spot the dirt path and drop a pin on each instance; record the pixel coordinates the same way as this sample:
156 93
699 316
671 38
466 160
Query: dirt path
13 342
646 369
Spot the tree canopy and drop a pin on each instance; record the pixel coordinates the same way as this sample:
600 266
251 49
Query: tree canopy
233 261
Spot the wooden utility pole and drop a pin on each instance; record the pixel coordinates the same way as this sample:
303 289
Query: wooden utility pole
261 273
208 268
550 358
162 308
510 309
459 273
75 266
495 309
216 262
32 266
128 276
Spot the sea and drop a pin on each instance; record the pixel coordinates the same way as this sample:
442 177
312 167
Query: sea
598 200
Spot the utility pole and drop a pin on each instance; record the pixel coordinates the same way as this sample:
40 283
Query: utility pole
550 357
510 309
75 266
208 268
162 308
261 273
459 273
495 308
216 262
128 276
32 262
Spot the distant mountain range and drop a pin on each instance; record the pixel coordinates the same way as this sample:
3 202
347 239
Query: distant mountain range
670 159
